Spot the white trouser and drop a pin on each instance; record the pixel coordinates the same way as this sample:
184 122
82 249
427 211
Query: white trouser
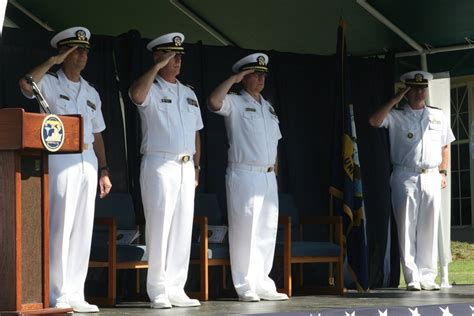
168 200
444 234
252 202
416 200
72 191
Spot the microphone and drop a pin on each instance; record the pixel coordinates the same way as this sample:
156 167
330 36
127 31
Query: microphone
29 79
37 93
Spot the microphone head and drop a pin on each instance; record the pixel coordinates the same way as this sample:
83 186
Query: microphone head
29 79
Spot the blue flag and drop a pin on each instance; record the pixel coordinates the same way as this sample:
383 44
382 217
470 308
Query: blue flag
346 183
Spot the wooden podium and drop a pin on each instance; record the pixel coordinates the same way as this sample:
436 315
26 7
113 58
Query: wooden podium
24 213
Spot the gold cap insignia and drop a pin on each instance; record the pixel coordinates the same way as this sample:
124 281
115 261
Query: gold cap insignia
81 35
410 135
261 60
177 41
419 77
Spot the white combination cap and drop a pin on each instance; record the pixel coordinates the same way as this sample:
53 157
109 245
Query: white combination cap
417 78
74 36
171 42
256 61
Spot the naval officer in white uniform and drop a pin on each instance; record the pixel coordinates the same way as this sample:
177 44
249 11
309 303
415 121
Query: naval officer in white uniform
419 151
72 177
171 120
252 195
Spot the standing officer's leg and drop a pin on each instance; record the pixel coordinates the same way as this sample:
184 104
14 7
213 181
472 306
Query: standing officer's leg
427 230
405 192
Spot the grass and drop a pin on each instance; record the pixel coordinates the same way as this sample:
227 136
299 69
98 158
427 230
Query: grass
461 270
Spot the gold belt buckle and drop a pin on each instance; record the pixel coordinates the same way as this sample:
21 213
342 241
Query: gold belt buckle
85 146
423 170
185 158
270 169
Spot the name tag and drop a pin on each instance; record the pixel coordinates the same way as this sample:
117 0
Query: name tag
65 97
192 102
166 100
91 105
250 110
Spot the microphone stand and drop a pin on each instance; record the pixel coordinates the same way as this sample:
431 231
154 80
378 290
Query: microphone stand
37 93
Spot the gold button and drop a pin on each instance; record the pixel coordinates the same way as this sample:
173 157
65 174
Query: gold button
270 169
185 158
423 170
85 146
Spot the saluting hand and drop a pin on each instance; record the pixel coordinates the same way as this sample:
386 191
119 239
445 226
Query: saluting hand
401 93
240 76
165 58
59 59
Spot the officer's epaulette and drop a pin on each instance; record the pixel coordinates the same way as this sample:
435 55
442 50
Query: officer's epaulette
434 107
233 92
398 108
51 73
189 86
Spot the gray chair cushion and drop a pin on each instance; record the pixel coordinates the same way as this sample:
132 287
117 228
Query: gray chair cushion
309 248
99 252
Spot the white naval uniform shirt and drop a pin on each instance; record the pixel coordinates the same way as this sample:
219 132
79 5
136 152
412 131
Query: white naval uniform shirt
416 140
252 130
170 119
63 98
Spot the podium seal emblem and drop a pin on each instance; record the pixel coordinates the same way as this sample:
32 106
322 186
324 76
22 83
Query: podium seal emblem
52 133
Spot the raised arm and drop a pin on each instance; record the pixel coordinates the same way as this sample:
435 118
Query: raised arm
39 71
377 118
216 99
140 88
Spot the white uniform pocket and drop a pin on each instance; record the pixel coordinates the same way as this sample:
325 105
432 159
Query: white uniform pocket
435 130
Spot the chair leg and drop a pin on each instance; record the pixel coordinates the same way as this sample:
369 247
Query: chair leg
204 295
287 282
112 286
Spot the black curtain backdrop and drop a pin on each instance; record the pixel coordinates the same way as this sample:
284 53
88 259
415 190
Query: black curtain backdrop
301 88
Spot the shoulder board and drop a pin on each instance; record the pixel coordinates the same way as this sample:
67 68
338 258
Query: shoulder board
397 108
189 86
432 107
53 74
233 93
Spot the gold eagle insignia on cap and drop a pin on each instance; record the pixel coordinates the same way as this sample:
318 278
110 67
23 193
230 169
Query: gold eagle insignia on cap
261 60
177 41
419 78
81 35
